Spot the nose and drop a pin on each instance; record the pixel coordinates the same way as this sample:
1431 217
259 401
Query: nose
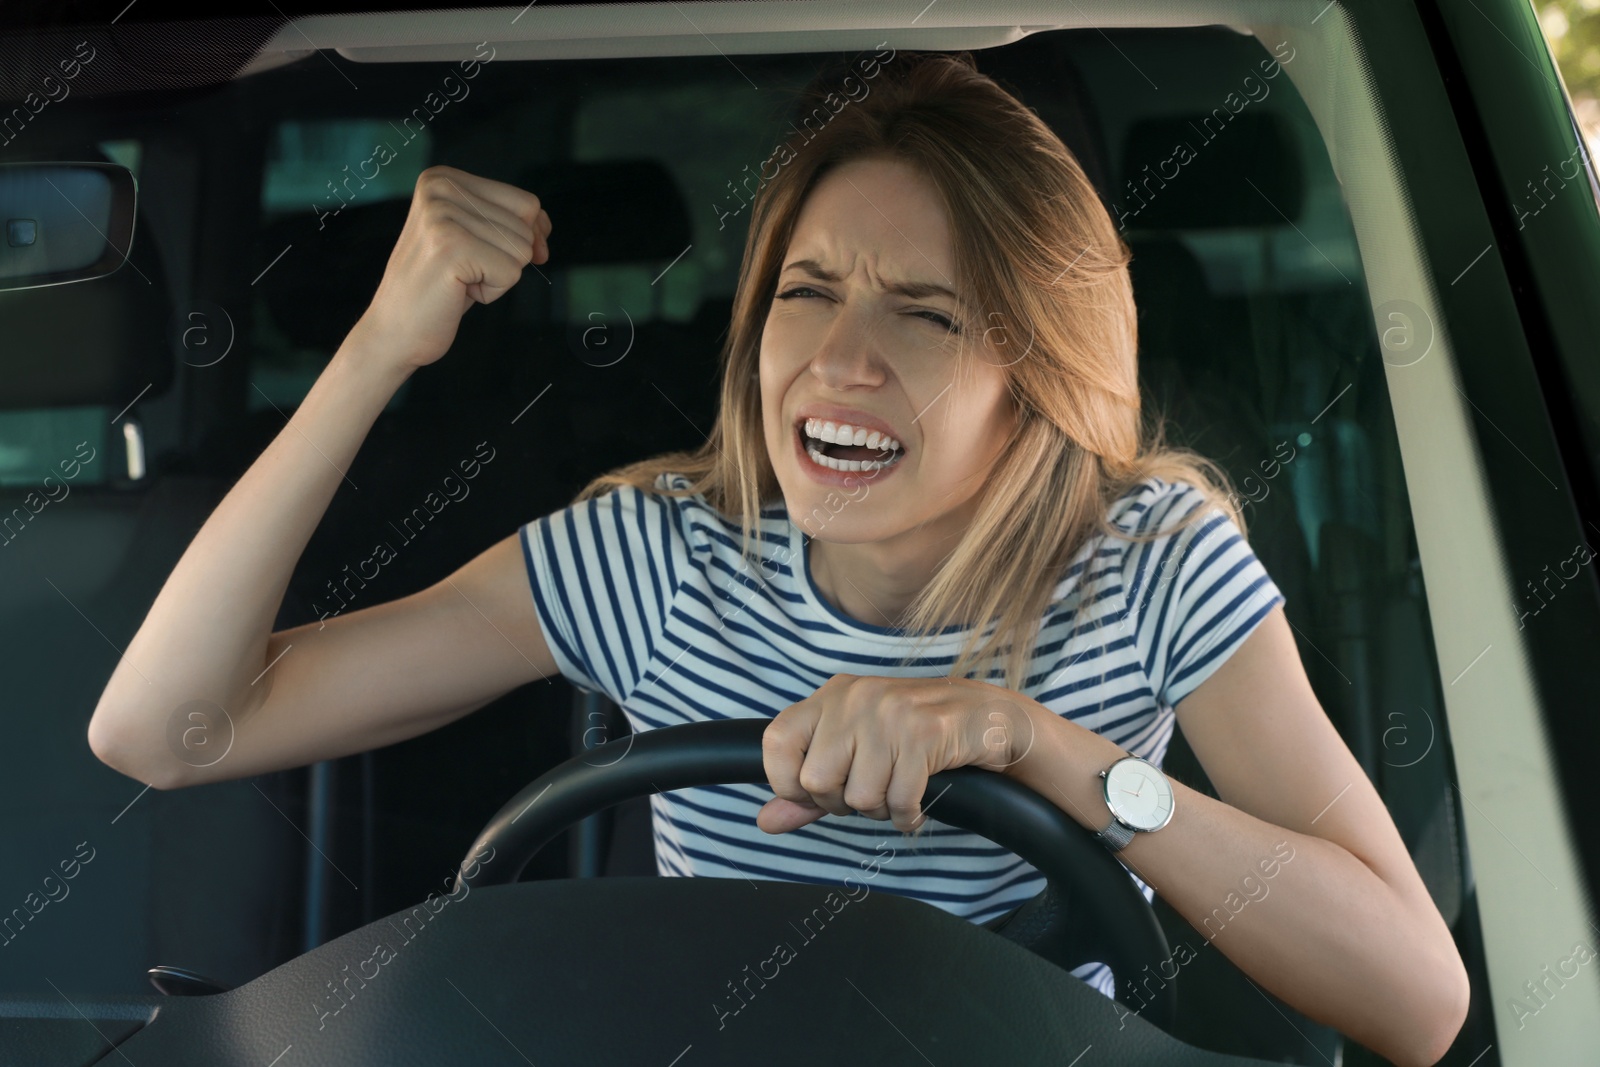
848 357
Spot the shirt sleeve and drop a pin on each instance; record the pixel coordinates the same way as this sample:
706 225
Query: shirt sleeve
1195 594
603 574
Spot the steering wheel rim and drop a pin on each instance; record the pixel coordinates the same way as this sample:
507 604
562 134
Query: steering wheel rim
1089 909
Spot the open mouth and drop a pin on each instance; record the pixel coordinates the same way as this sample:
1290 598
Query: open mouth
841 447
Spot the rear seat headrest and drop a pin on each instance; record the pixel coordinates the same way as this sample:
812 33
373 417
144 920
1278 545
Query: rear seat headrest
617 211
1186 170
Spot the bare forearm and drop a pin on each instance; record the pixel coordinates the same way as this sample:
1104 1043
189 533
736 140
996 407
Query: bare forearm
1301 915
206 634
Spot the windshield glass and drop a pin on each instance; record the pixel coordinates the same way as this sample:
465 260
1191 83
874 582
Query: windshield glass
268 207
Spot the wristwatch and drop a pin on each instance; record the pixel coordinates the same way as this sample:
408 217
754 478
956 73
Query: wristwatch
1140 799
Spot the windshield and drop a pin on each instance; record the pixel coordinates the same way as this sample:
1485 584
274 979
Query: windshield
271 193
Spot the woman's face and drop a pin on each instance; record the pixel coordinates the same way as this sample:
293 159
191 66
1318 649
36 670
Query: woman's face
862 333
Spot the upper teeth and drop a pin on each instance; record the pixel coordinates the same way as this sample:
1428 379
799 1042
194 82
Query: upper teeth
845 434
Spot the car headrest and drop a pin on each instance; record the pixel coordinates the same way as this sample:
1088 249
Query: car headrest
1196 166
617 211
1040 71
100 341
624 211
316 306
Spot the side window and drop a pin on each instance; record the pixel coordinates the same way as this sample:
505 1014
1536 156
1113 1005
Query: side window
1259 346
323 182
322 165
1229 204
44 455
32 442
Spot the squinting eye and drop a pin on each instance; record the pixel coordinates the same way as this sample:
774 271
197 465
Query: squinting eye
939 320
803 292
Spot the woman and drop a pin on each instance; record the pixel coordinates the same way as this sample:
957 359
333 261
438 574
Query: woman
929 416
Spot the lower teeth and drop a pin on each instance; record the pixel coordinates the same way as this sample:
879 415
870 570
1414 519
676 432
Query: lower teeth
851 464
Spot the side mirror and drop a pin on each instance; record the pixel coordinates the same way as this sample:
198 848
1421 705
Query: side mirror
63 222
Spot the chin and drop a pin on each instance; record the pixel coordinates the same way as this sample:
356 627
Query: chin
838 516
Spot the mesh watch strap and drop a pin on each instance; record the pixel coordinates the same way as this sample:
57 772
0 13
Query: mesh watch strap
1116 836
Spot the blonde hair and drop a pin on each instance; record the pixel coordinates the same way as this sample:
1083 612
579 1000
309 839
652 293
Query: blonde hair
1034 245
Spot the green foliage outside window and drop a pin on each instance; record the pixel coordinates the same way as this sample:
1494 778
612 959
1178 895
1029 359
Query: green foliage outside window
1572 30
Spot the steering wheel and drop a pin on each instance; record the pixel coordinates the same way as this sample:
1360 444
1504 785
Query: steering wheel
623 970
1089 910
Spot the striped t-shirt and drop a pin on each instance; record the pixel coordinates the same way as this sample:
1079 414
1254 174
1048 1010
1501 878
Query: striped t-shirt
645 598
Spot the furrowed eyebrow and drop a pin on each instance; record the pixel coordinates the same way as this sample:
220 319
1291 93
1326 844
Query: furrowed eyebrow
912 290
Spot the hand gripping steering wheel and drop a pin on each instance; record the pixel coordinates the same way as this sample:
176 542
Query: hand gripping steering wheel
1089 910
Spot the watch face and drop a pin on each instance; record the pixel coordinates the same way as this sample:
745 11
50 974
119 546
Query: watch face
1139 794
